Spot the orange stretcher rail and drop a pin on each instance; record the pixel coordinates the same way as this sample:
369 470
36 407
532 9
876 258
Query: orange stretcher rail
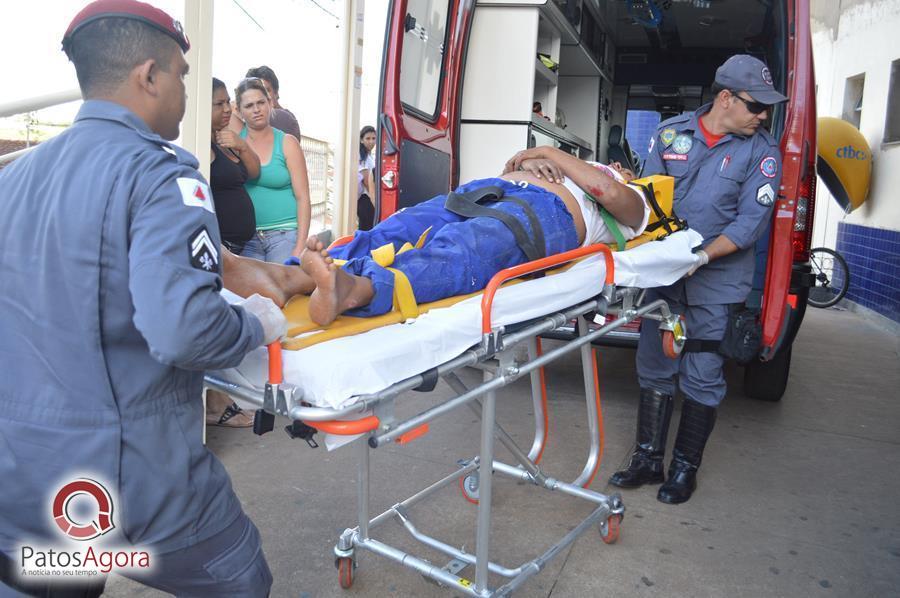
276 373
344 428
545 263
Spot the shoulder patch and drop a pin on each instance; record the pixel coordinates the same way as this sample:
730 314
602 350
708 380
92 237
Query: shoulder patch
203 253
667 137
765 195
195 193
769 167
682 143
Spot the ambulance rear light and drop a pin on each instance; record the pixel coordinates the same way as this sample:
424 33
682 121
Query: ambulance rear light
800 214
803 218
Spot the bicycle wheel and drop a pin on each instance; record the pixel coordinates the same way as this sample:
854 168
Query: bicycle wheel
832 277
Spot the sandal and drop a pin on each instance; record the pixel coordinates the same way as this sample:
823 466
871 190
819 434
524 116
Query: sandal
232 417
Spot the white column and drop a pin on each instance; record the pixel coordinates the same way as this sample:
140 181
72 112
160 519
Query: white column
195 128
346 153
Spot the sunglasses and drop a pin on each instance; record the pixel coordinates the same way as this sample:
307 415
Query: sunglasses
752 106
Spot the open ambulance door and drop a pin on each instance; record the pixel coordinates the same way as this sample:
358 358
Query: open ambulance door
787 273
419 102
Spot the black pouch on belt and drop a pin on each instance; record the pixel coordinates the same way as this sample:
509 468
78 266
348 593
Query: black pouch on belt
743 335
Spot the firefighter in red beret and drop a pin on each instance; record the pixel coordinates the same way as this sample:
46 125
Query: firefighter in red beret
111 312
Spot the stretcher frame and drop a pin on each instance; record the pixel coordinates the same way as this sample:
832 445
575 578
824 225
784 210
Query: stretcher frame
496 356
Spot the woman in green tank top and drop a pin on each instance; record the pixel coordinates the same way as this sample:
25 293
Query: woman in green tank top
281 192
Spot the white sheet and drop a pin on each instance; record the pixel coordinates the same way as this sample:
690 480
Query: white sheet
332 374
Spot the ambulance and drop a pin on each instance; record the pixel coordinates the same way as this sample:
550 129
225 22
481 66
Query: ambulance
466 84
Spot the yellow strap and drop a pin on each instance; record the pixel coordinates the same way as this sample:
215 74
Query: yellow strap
422 238
419 243
384 255
404 298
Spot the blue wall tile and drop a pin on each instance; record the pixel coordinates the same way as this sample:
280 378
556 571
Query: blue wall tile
873 256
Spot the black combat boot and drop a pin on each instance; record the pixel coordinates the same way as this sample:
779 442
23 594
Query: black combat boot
646 465
697 422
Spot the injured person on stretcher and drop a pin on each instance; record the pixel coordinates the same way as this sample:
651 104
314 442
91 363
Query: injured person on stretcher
453 244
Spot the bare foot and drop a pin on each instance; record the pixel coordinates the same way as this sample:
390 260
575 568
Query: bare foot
245 276
336 290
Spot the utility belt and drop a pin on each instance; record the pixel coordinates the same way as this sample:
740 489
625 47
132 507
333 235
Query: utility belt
742 340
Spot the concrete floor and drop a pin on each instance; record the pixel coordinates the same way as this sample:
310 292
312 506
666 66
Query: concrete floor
796 498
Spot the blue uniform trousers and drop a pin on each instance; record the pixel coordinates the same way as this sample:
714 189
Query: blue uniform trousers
699 375
460 254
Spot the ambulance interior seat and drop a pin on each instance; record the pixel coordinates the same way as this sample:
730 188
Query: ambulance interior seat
619 150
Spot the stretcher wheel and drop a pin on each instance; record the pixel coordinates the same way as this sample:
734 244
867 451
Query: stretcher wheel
609 532
670 348
673 341
345 566
469 488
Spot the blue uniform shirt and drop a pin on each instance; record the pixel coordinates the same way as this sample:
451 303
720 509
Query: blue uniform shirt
110 311
727 189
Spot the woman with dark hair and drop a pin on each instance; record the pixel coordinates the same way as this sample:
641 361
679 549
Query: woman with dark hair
232 163
280 194
365 206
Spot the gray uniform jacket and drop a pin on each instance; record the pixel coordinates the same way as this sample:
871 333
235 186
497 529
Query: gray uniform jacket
728 189
110 311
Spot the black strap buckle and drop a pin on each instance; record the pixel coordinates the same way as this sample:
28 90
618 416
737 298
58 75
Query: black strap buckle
298 429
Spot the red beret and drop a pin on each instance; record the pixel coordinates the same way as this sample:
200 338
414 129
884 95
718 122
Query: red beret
128 9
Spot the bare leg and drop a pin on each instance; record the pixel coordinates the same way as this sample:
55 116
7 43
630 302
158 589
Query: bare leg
245 276
336 290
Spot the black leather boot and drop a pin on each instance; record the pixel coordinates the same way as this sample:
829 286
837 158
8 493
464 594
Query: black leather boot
646 466
697 422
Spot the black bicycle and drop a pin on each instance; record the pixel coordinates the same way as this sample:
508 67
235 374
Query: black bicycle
832 277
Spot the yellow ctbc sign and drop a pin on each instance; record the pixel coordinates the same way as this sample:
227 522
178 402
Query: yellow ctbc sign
844 162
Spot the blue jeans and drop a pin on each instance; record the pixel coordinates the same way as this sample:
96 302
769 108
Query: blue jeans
271 245
460 254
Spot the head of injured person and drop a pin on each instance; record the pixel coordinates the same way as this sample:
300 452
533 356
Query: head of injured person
131 53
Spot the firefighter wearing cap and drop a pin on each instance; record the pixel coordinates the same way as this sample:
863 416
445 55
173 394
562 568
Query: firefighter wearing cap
110 256
727 171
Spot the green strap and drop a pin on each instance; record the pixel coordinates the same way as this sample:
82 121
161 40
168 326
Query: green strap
611 223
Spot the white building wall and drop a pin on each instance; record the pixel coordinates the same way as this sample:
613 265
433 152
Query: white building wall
852 38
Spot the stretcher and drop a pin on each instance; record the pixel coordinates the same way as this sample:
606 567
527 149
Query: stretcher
486 332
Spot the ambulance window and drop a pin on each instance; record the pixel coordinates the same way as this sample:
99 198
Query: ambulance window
640 125
422 58
853 99
892 123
